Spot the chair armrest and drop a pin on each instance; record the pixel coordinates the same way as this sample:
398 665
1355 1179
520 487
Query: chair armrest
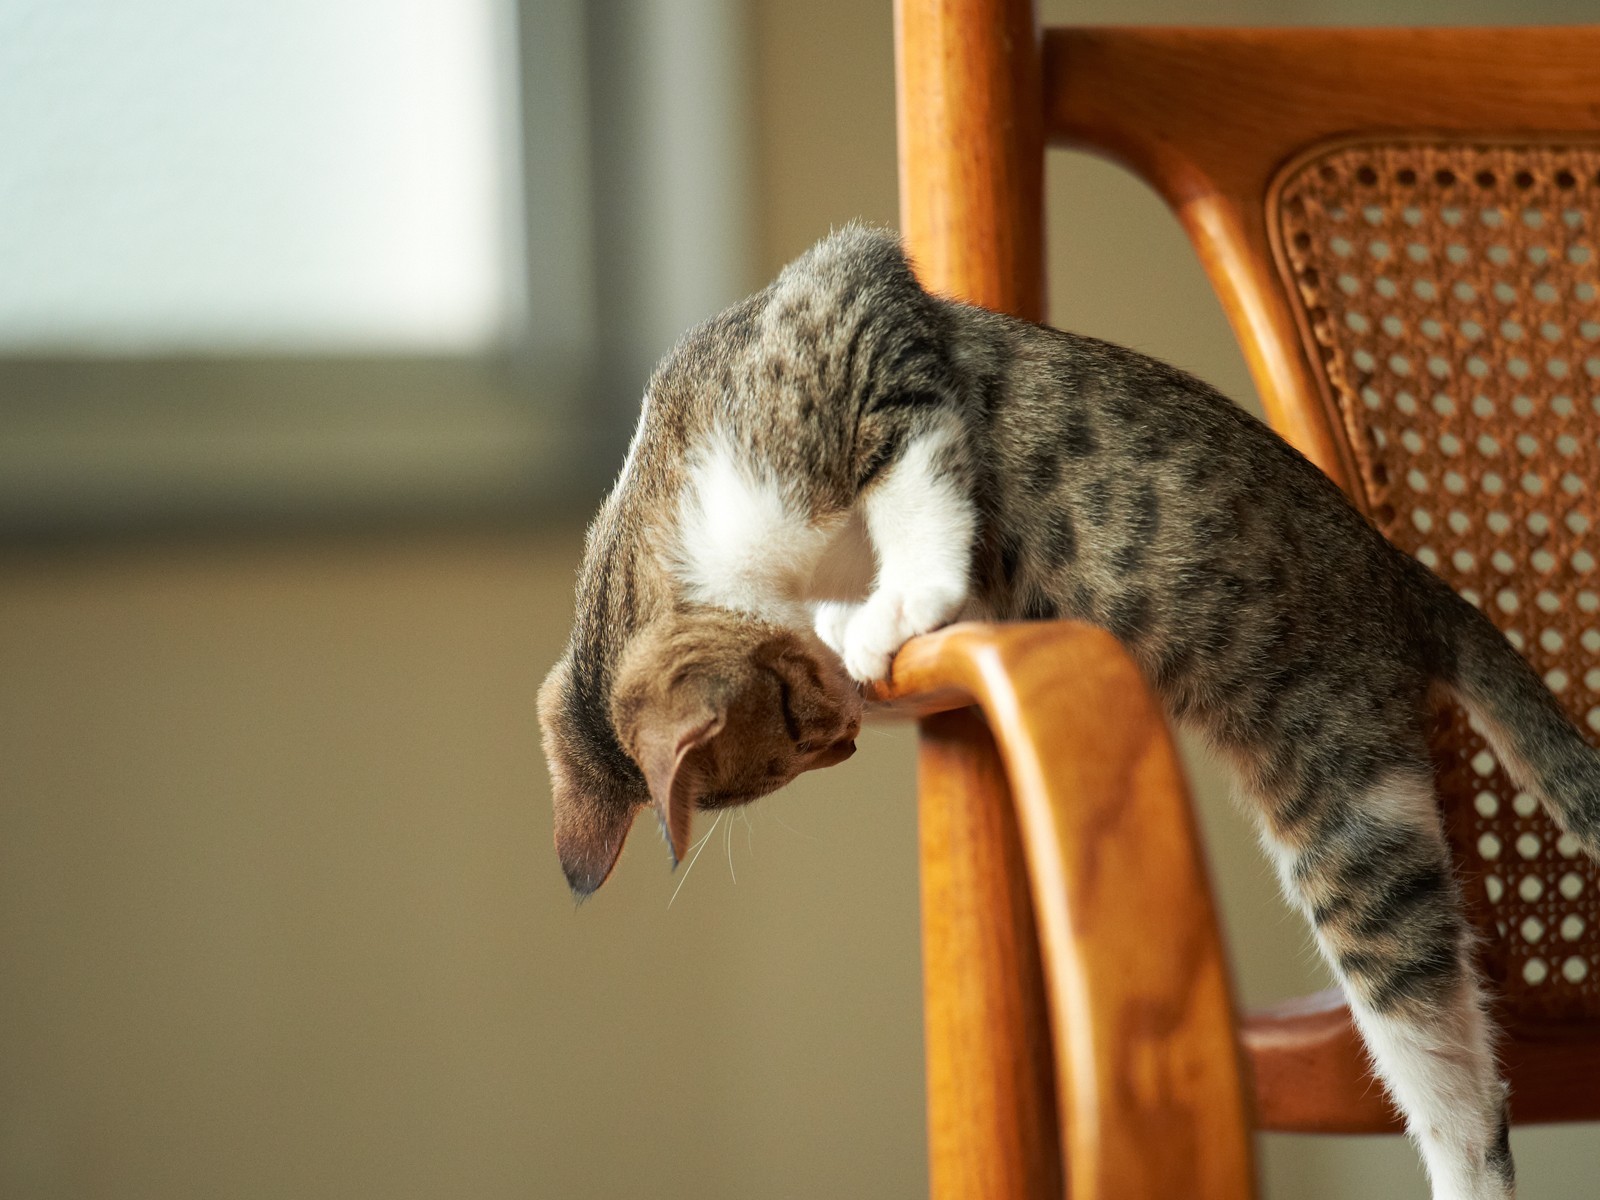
1151 1098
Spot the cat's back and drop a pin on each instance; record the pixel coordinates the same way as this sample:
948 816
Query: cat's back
1130 493
1071 416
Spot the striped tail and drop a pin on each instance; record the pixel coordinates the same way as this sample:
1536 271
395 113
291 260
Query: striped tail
1526 726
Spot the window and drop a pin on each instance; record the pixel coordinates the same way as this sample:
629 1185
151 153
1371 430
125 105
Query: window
343 256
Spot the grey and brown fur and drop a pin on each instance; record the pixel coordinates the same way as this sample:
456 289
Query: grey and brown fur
845 454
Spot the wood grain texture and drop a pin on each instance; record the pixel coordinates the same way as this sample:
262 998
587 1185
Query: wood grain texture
1308 1071
1152 1102
992 1128
972 150
1209 116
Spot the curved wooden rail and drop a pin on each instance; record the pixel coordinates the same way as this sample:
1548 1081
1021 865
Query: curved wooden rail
1308 1071
1073 743
1069 781
1208 117
1152 1102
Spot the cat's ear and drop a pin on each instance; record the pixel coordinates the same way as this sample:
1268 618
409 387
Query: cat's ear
592 815
665 745
589 837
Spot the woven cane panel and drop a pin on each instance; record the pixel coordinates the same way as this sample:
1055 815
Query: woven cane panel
1450 296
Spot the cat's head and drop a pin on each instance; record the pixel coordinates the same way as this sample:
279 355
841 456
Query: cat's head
709 709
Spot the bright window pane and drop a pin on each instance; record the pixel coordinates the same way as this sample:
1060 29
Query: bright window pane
215 175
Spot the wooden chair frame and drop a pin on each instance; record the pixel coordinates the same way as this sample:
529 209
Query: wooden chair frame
1080 1030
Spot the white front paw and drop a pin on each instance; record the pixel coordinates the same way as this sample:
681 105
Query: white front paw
887 621
830 619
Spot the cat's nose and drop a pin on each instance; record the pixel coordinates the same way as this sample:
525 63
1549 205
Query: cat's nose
835 753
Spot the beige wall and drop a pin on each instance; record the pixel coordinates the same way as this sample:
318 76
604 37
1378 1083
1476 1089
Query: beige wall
278 914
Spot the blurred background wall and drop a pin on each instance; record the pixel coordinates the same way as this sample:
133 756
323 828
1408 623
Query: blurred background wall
321 327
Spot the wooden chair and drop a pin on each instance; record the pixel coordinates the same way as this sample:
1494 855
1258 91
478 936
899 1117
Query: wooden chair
1402 225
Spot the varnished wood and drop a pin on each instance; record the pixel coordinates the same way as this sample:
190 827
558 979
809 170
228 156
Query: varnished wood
991 1089
1209 116
1152 1102
1308 1071
1309 1074
972 150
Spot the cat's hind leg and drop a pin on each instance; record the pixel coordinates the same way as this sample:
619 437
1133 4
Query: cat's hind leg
922 523
1371 869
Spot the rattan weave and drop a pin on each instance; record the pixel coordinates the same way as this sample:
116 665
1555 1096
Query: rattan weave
1447 295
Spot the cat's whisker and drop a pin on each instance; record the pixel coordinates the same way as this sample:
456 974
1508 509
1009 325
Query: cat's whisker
727 839
694 858
808 837
749 831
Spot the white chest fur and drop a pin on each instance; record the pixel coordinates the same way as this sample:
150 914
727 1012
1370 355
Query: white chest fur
745 542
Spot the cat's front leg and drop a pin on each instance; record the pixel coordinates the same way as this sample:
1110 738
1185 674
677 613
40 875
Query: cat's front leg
831 618
922 523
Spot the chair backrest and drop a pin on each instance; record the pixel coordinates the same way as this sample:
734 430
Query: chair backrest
1404 227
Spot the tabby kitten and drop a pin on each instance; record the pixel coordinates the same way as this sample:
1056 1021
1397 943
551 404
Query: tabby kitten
844 453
